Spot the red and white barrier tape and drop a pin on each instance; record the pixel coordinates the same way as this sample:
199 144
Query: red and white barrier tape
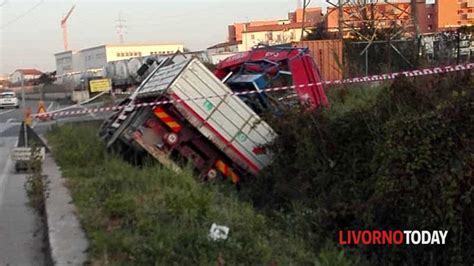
382 77
121 92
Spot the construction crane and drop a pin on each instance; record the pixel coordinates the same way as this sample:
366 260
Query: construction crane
64 26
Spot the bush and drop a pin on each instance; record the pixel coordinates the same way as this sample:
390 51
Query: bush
425 178
403 160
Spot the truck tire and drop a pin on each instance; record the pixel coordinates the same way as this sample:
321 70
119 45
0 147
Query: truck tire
212 174
171 138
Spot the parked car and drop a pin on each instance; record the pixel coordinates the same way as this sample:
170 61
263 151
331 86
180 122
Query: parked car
9 99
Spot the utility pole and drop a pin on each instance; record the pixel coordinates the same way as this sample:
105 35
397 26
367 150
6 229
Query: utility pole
458 46
340 18
305 4
25 134
414 18
120 27
340 14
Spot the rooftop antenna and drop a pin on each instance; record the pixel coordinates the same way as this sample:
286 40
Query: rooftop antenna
121 27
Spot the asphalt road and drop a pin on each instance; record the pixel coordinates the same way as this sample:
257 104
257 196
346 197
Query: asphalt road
21 229
17 114
14 117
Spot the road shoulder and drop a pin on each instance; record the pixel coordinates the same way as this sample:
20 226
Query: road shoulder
21 228
67 240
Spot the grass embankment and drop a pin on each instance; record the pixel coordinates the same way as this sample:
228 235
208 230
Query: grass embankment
153 216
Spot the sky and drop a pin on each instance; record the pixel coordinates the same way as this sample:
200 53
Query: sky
30 31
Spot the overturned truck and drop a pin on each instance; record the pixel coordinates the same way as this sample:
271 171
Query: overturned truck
183 113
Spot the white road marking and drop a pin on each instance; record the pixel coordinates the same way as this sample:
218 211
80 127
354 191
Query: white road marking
12 120
4 174
6 112
49 107
3 178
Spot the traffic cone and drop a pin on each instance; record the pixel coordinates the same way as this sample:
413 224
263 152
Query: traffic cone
41 109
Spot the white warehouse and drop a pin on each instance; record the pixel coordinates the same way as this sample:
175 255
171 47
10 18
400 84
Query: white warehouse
95 58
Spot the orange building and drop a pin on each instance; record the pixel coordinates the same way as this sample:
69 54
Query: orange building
426 17
454 13
443 14
313 16
235 30
384 15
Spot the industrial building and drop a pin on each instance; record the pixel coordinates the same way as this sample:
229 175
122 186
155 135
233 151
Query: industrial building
97 57
243 36
273 34
221 51
312 16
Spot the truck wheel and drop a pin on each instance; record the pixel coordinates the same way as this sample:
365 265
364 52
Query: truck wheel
171 138
211 174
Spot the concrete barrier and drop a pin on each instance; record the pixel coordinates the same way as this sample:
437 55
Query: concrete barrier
80 96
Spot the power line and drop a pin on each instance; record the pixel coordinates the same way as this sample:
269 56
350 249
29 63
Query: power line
22 15
121 27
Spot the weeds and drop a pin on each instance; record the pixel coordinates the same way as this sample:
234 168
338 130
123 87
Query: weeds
154 216
34 184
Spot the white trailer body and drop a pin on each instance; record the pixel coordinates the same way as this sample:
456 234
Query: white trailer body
209 106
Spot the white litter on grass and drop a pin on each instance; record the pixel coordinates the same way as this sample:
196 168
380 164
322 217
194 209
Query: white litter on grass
218 232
